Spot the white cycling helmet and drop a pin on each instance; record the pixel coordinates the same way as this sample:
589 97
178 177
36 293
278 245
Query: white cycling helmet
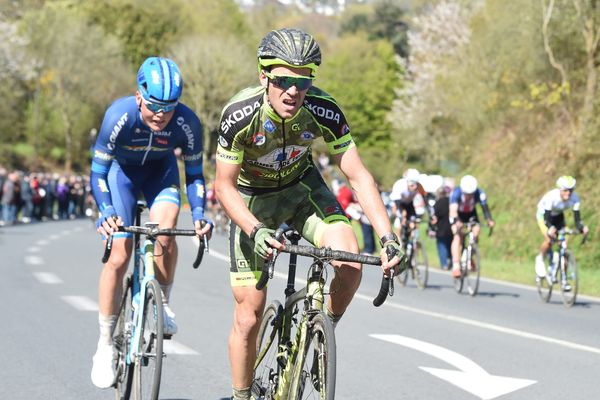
566 182
412 175
468 184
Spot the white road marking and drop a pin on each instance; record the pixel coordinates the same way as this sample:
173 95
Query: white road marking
33 249
34 260
81 303
53 237
42 242
47 277
173 347
466 321
469 377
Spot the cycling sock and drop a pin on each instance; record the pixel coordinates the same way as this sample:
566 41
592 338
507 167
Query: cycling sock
335 318
166 292
106 323
241 394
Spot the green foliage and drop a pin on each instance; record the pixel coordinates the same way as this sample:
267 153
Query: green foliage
362 76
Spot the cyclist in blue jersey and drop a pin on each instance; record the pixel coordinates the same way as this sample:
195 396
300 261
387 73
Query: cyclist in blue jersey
463 200
134 155
266 176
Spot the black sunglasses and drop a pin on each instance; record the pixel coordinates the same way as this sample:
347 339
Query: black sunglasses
286 82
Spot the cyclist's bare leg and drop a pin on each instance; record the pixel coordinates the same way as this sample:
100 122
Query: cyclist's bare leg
476 229
249 306
340 236
165 214
111 277
455 248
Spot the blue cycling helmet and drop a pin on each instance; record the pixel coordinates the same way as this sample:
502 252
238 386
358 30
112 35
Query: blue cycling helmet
159 80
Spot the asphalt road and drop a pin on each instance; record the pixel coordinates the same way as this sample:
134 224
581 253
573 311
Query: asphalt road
431 344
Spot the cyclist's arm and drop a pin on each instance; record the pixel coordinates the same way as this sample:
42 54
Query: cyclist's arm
194 175
229 197
365 189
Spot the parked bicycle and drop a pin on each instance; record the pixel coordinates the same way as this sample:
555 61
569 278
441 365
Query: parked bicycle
470 263
418 267
296 352
138 333
561 268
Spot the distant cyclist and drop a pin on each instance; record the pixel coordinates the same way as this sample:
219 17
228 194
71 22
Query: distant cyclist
266 176
408 196
133 156
551 218
463 200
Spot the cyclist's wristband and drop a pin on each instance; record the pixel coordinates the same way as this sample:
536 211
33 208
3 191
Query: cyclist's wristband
258 226
389 237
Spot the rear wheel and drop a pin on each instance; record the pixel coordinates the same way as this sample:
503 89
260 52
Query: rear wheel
420 266
314 374
571 278
148 363
472 271
122 341
264 384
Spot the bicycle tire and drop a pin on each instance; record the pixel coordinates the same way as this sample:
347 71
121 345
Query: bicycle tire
420 266
121 340
265 367
570 265
314 373
544 284
148 363
473 270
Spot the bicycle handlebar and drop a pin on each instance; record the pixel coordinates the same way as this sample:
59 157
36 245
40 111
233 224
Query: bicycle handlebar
328 253
154 232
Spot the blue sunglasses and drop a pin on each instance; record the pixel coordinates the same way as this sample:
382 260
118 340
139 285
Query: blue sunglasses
286 82
156 107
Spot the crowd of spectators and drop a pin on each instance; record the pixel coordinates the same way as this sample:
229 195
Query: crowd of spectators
27 197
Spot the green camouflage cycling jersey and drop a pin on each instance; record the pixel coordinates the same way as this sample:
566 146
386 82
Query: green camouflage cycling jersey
275 153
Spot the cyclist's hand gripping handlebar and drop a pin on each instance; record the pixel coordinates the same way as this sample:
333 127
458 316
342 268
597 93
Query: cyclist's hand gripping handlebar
269 265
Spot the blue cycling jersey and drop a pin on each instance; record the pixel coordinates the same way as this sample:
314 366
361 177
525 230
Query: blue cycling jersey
125 140
466 204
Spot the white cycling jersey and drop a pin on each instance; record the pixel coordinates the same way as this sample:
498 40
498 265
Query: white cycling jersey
555 204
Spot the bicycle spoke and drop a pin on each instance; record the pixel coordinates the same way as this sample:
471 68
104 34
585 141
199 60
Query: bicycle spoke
264 384
570 281
316 373
148 366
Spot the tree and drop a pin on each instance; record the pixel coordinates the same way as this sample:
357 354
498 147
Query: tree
362 75
78 71
214 69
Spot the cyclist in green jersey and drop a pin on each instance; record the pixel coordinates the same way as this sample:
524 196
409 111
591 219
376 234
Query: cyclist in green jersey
266 176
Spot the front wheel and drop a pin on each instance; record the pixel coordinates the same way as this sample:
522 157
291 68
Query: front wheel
264 384
148 360
459 282
420 266
314 373
570 279
122 341
544 285
473 270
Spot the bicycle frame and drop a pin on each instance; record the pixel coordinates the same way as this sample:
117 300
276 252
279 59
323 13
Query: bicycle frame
313 296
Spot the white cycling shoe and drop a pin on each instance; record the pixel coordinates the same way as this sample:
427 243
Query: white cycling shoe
103 367
540 266
169 325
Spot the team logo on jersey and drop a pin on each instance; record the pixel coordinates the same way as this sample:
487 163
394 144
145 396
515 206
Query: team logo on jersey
345 129
102 186
269 126
306 135
259 139
280 158
137 130
295 127
223 141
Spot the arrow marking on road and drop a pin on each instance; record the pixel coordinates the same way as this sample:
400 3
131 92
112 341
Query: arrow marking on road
469 377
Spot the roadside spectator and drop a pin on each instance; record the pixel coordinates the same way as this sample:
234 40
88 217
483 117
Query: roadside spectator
62 196
441 224
37 197
10 198
26 206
